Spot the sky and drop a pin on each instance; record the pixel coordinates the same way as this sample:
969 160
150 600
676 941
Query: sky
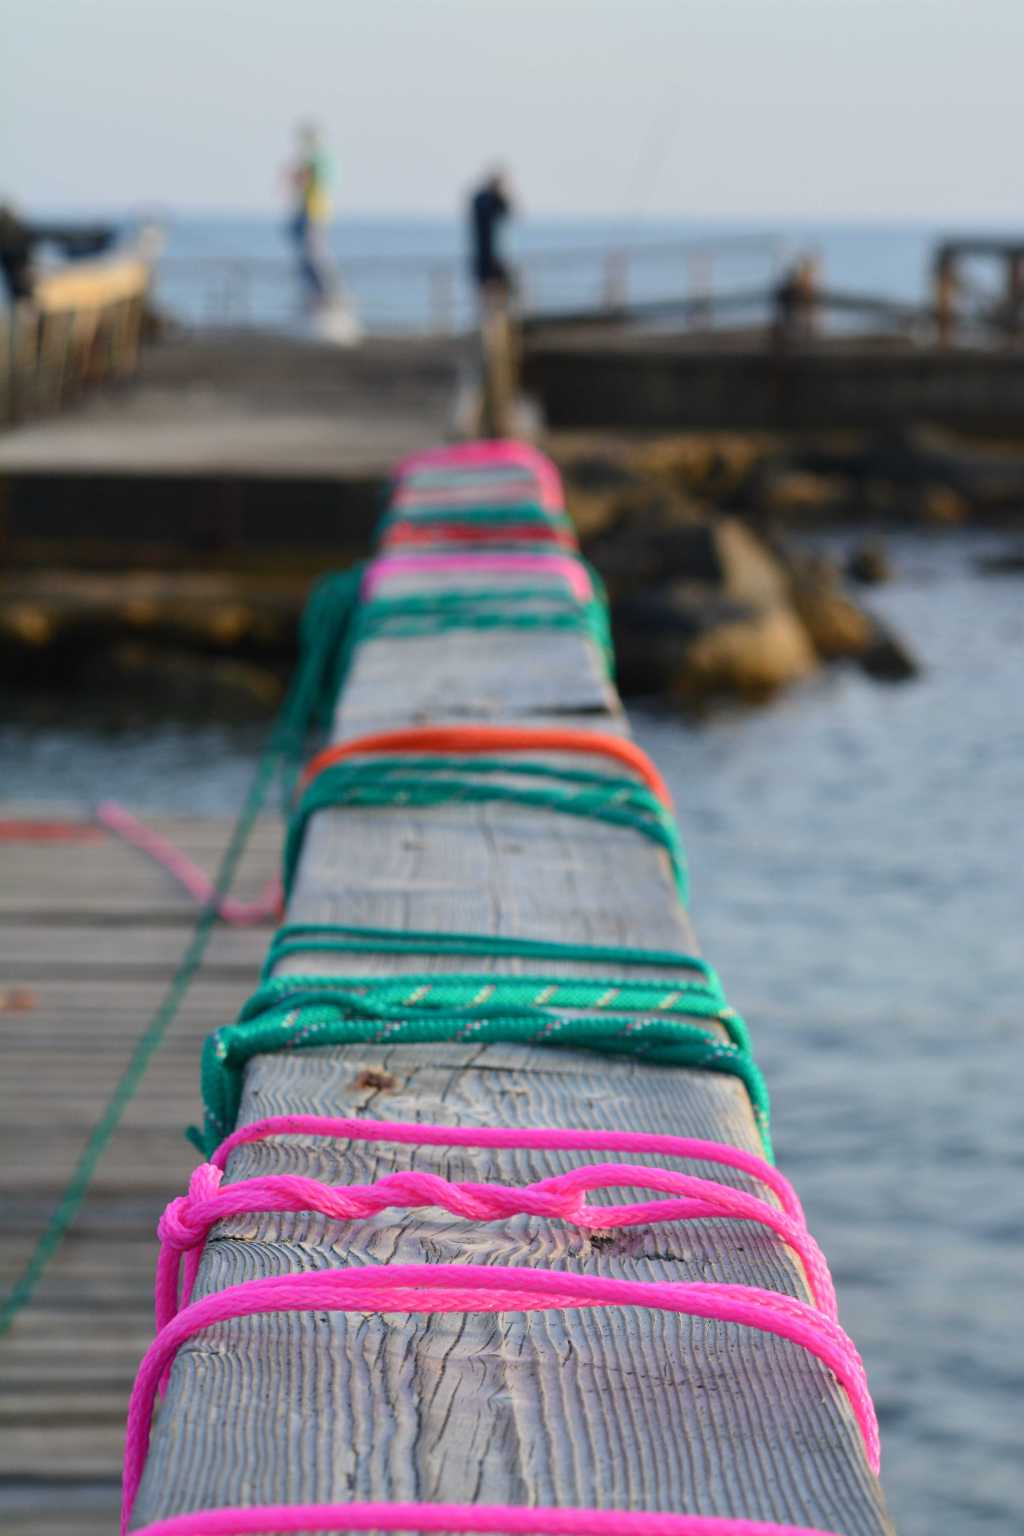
749 109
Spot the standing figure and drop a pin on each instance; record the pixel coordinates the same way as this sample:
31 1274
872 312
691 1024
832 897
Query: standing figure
311 210
489 207
15 256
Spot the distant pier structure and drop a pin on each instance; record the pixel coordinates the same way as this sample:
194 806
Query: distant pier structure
71 327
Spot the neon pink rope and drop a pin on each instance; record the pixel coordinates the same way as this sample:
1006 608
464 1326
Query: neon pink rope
187 1220
185 1223
485 1519
516 1138
188 875
473 565
493 451
483 491
440 1288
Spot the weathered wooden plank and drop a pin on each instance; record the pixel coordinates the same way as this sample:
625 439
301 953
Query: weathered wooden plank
619 1409
27 950
67 1364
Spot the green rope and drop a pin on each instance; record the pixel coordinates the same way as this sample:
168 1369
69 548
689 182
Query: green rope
508 512
322 630
441 991
301 1012
300 938
418 614
441 780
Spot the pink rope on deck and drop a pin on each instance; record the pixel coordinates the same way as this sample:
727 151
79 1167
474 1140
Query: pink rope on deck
482 491
516 1138
185 1223
487 453
188 875
463 1519
474 565
442 1288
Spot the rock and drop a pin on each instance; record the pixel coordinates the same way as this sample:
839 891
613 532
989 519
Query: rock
942 504
868 564
26 624
655 545
887 658
701 611
706 464
653 630
837 627
742 566
599 472
595 485
1009 562
794 494
749 658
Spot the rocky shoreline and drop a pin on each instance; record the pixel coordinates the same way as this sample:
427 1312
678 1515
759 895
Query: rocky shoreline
703 540
712 596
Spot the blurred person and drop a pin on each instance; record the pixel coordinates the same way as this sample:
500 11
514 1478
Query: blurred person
489 206
796 302
308 179
15 256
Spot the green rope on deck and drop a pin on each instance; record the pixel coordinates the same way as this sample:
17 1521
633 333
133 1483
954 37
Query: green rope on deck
533 607
440 780
447 991
348 938
322 633
293 1013
527 512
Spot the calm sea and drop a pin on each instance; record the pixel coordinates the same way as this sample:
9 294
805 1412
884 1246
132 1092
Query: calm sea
403 274
858 868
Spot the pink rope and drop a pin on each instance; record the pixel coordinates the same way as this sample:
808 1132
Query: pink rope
442 1288
496 451
484 1519
473 565
188 875
185 1223
516 1138
483 491
184 1226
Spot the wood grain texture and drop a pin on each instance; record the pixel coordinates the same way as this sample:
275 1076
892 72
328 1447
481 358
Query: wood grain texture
67 1365
619 1408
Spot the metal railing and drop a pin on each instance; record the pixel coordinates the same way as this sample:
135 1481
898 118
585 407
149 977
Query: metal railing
409 295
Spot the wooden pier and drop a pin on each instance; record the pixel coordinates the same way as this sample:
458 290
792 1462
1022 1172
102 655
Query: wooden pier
90 934
618 1409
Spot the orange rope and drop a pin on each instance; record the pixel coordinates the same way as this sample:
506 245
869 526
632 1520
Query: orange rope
496 738
50 832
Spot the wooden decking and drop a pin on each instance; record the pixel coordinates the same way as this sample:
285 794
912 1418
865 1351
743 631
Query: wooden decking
90 933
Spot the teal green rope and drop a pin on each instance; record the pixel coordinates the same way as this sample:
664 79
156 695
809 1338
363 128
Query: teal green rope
300 938
322 631
440 780
432 1009
508 512
438 991
417 614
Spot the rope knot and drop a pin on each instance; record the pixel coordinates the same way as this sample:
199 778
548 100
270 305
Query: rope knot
179 1225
